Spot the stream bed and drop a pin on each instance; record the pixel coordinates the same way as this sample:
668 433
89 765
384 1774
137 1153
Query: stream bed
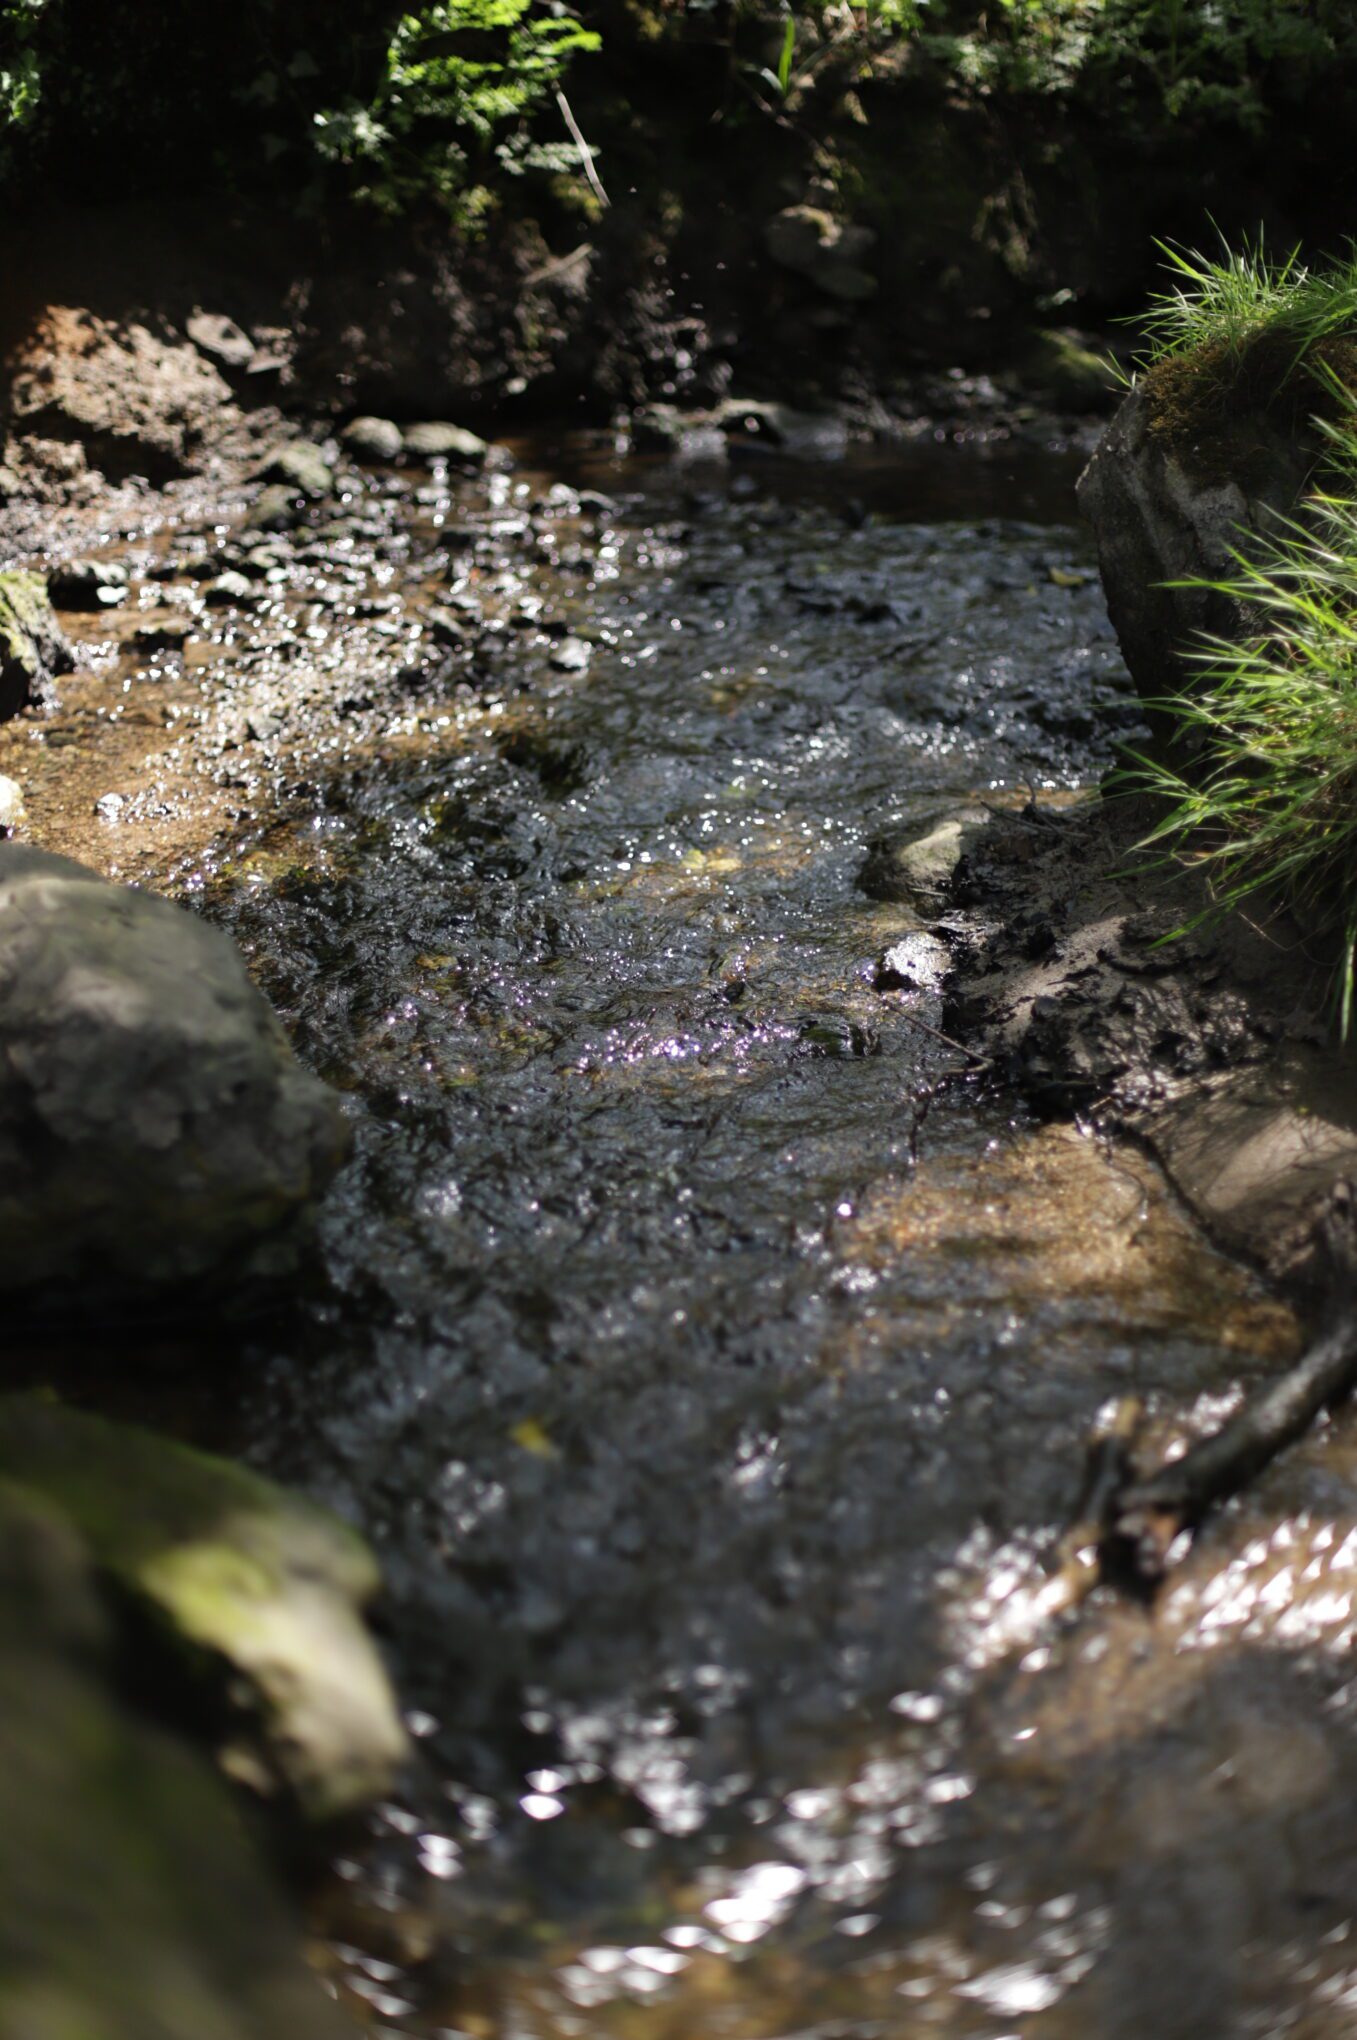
706 1343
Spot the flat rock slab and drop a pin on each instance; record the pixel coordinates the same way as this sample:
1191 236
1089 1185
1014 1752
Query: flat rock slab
916 865
253 1596
1258 1151
155 1128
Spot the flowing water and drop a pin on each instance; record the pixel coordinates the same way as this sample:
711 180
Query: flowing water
707 1344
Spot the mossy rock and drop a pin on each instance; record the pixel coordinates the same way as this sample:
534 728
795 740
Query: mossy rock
1068 375
299 466
1200 403
1173 505
32 648
252 1596
436 440
132 1905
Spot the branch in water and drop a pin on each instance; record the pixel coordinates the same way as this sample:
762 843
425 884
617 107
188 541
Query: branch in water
1148 1515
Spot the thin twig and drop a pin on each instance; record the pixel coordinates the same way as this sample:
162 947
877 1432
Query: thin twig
978 1061
1150 1514
586 153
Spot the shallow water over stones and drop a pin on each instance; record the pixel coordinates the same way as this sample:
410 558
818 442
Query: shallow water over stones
705 1343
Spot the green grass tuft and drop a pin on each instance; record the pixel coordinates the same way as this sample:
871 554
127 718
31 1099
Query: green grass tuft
1228 302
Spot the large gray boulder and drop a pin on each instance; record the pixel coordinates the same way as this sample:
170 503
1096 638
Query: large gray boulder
132 1905
155 1127
1165 510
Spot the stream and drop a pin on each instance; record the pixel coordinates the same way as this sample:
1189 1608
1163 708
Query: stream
707 1345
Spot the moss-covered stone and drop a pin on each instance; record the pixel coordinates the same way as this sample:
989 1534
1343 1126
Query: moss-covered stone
253 1595
32 648
300 466
1069 375
132 1906
435 440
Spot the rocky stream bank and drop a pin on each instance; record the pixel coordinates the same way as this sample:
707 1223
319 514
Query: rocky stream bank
674 870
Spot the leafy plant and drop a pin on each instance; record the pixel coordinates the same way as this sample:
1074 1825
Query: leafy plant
20 72
461 84
1209 62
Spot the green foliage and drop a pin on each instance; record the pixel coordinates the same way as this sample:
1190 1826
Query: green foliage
1197 61
1270 804
1137 62
460 88
1225 304
20 71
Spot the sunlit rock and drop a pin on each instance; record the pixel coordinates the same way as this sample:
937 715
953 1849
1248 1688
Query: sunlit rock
32 648
155 1128
251 1598
299 466
376 439
221 339
438 441
916 866
131 1903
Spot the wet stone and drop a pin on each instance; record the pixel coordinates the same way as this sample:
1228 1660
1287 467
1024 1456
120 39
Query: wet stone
88 584
277 508
299 466
439 441
163 634
917 867
446 627
572 655
155 1128
231 590
372 439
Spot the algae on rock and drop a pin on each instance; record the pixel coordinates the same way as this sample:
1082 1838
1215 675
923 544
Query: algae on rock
32 648
253 1595
132 1905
